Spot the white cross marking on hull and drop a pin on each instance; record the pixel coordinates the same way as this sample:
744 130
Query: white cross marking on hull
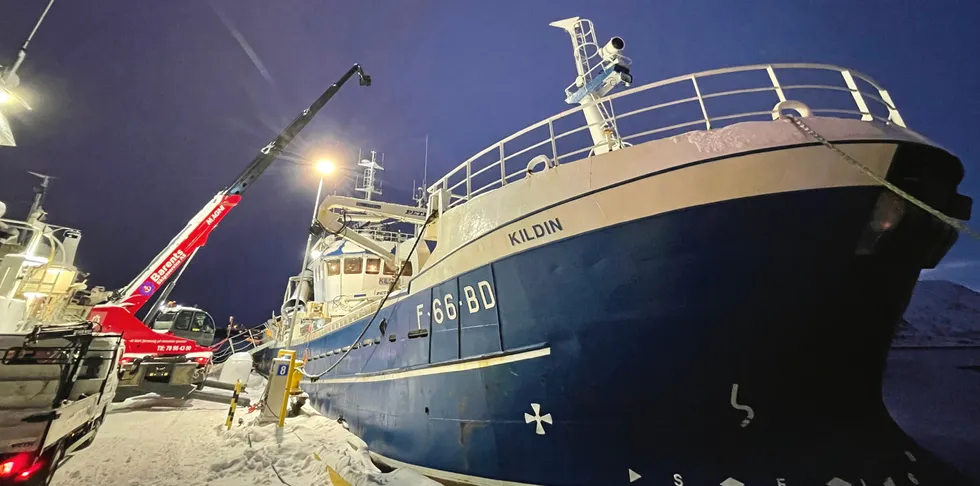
537 417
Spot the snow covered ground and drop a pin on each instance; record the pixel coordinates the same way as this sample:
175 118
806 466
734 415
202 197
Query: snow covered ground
149 440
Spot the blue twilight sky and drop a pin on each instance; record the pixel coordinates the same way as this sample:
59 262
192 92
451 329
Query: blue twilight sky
144 110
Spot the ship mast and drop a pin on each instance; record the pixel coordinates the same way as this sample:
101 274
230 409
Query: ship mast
368 180
36 213
599 71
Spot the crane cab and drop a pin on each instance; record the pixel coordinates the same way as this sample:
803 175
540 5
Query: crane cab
186 322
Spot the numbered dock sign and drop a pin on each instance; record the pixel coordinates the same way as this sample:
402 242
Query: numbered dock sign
283 369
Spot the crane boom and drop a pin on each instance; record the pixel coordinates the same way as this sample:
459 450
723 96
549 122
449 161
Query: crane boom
333 223
195 233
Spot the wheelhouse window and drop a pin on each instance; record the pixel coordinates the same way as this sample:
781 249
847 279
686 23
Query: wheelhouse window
373 266
391 271
333 267
353 266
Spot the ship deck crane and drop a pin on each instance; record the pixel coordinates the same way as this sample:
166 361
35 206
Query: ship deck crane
335 223
118 314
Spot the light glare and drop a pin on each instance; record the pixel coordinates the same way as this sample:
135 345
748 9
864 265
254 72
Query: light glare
324 167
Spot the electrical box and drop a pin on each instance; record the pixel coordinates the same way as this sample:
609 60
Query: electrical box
278 388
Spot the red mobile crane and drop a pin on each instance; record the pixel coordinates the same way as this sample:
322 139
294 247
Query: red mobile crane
155 360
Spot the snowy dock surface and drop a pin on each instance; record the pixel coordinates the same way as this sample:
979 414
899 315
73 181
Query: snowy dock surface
149 441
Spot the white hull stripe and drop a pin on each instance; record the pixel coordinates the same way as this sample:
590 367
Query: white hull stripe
442 369
613 186
451 476
523 197
729 178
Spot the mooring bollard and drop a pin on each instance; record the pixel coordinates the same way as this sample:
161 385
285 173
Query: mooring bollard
234 403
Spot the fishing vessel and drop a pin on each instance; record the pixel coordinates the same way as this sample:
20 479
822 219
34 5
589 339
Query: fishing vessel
697 285
58 372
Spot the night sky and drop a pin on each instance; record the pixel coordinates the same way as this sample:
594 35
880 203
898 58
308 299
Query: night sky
144 110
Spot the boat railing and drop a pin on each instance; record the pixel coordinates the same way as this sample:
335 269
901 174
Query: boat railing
309 334
379 234
706 100
241 341
32 236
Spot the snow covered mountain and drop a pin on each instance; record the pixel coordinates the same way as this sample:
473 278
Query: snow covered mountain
941 313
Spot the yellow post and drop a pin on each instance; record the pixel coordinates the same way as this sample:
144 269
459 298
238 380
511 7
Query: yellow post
295 378
285 398
234 403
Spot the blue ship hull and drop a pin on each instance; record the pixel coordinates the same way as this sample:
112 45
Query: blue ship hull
735 341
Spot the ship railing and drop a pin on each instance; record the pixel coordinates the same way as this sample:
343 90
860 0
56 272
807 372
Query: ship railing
707 100
386 235
32 236
45 281
364 310
242 341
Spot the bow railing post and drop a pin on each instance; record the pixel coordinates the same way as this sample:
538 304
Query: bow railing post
469 178
554 147
704 111
503 170
856 94
777 87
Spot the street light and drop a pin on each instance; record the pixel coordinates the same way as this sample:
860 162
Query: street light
324 167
